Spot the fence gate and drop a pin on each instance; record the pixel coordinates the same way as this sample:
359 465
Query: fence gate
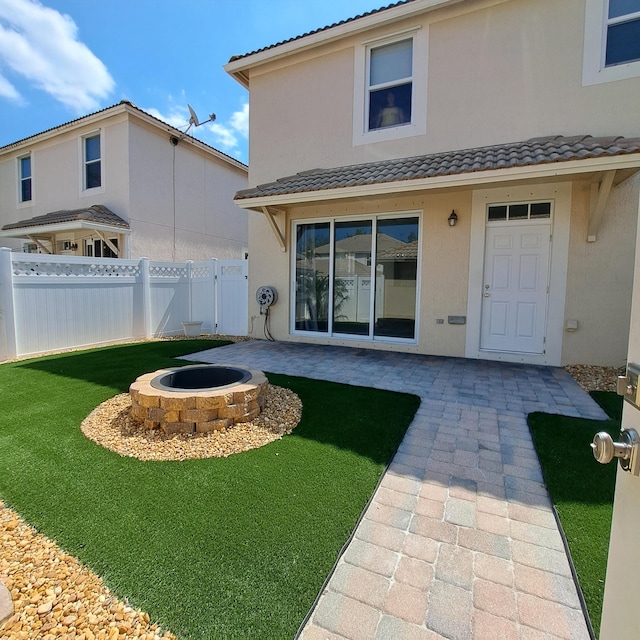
232 298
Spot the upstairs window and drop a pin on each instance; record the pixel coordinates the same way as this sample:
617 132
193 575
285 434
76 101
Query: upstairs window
92 162
390 88
24 169
611 41
622 32
390 84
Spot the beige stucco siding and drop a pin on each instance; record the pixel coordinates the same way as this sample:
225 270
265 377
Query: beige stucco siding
313 99
185 190
600 277
443 265
507 71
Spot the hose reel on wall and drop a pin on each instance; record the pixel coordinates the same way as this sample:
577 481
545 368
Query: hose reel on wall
265 297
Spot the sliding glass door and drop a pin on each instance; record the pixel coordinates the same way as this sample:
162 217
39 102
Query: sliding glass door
357 277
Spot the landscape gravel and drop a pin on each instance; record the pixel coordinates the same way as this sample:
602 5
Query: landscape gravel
54 596
592 378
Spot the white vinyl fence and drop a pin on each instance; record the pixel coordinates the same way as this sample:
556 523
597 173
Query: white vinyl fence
57 302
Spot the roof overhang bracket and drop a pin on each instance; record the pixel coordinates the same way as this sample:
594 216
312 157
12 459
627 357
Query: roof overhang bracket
37 242
599 197
280 233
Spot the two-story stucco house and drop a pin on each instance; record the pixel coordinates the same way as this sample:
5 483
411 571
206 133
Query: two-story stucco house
450 177
121 183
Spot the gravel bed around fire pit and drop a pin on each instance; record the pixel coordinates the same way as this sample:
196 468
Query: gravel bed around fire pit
111 426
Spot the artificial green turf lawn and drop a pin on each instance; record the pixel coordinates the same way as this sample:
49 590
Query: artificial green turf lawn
234 547
581 490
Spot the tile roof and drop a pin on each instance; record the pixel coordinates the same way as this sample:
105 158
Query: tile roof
309 33
98 214
536 151
407 250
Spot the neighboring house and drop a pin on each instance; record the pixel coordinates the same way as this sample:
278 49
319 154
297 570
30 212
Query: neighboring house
121 183
497 141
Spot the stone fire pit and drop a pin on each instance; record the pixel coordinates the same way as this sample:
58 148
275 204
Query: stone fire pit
197 398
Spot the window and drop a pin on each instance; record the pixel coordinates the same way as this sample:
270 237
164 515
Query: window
390 84
611 41
390 92
357 277
100 249
518 212
92 162
24 170
623 32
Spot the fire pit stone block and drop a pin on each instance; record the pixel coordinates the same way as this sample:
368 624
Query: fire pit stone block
196 410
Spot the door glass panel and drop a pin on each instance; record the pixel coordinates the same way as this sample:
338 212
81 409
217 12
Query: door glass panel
518 211
541 210
498 212
312 277
396 277
352 277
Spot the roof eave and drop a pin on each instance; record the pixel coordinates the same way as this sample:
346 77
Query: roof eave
72 225
238 68
473 179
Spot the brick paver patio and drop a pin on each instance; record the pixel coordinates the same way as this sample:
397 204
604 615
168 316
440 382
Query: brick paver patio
459 540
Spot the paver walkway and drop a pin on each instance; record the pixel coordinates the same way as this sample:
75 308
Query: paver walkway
459 540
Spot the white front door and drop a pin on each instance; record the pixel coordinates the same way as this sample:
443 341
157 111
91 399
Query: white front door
515 288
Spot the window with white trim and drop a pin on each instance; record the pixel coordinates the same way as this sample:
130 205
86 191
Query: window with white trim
622 32
390 84
357 277
391 87
92 161
25 178
611 41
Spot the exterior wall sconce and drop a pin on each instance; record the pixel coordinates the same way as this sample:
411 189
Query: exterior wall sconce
453 218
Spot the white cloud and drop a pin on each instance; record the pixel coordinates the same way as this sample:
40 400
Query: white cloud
7 90
41 45
240 120
224 136
177 117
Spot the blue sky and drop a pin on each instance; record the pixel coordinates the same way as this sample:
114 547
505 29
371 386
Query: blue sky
62 59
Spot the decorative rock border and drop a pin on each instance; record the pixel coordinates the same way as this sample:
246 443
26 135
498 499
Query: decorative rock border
196 411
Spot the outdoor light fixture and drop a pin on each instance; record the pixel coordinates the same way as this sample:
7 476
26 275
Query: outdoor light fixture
453 218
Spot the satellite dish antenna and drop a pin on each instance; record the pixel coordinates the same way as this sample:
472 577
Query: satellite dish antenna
193 117
194 121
